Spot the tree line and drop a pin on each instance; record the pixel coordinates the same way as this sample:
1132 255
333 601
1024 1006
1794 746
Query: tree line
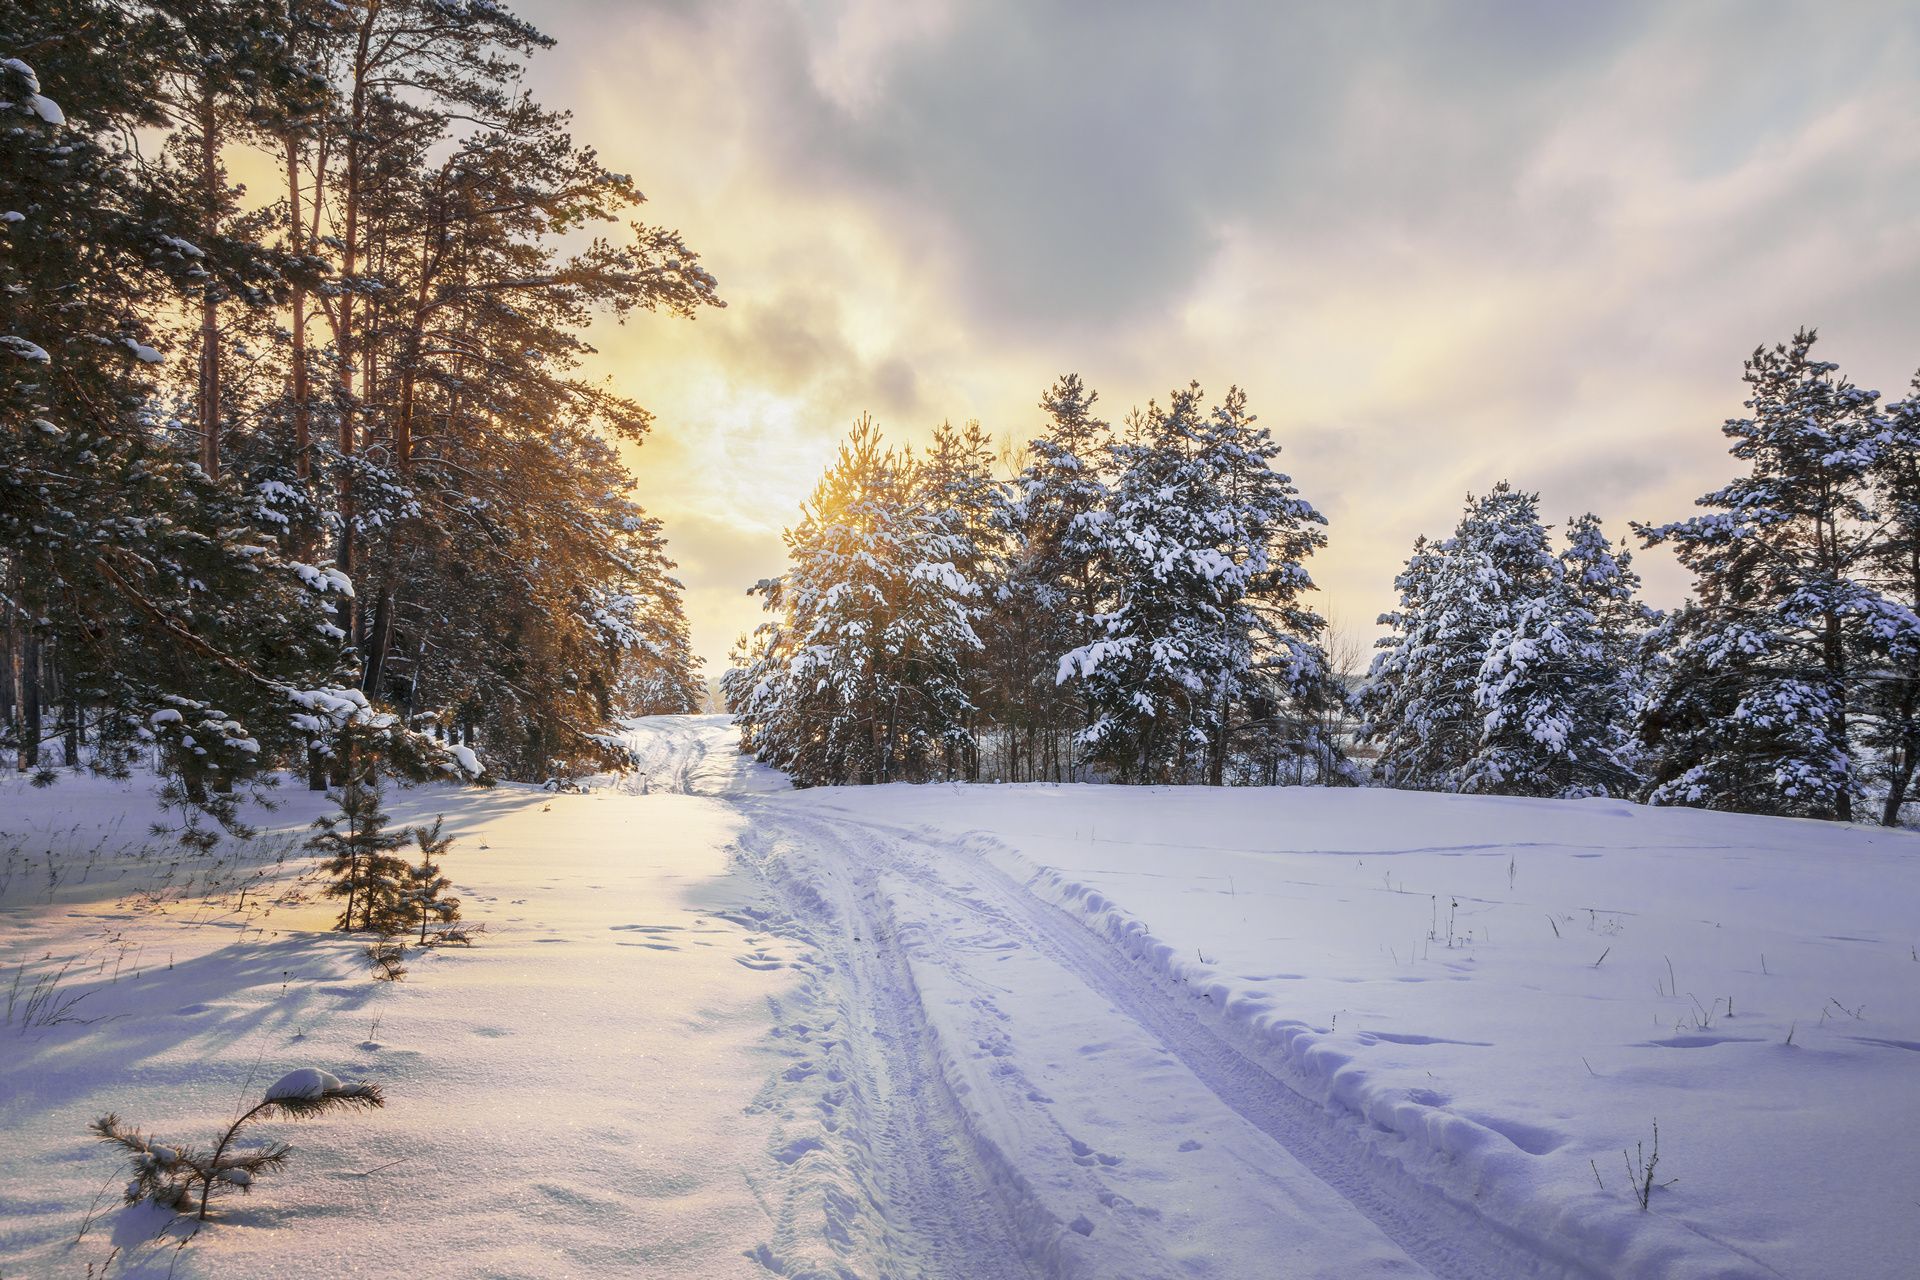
287 469
1130 605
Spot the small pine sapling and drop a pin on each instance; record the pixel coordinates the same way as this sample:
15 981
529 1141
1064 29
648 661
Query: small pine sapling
185 1179
428 892
388 960
361 859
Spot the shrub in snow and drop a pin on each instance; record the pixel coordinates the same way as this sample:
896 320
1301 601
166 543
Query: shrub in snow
361 859
185 1179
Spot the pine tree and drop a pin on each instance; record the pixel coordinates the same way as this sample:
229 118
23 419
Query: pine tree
1140 675
1428 692
360 857
1599 577
956 485
1888 704
1044 608
1269 674
1752 707
1203 549
168 615
185 1179
427 888
170 464
860 678
1553 690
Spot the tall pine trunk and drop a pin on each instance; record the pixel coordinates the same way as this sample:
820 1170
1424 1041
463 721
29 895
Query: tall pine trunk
23 650
209 397
302 392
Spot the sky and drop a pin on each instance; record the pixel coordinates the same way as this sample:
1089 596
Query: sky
1439 245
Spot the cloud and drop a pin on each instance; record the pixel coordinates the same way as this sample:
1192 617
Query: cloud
1440 244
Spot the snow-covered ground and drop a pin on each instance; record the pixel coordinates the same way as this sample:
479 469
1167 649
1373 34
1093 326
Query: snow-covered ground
722 1028
572 1096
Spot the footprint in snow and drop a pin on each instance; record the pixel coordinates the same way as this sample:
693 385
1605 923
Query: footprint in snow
1117 1203
761 961
1086 1155
793 1151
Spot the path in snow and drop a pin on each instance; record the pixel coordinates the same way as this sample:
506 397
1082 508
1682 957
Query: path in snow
954 1043
692 755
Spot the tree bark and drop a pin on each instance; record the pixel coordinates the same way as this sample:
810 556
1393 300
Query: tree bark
209 398
302 392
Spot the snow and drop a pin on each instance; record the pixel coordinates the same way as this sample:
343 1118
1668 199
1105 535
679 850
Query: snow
25 350
1309 929
601 1044
718 1027
24 71
324 579
306 1083
46 108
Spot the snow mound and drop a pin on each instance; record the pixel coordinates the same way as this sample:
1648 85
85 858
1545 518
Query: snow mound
305 1085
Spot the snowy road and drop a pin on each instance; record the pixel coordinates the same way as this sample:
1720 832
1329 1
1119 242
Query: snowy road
980 1087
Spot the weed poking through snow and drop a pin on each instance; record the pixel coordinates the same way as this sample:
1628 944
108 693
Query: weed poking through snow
1640 1169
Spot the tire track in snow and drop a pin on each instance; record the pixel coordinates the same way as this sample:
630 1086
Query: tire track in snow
1448 1238
885 1165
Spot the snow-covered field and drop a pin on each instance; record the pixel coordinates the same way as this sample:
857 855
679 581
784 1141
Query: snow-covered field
720 1028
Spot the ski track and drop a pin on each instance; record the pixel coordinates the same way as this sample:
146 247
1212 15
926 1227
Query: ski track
887 1168
872 1148
1444 1237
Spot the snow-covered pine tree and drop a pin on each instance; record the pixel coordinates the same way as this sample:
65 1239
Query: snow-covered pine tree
1600 577
1888 705
1204 547
1556 688
1140 676
1395 684
955 483
1751 705
861 679
160 559
1423 698
360 855
1269 676
426 889
1045 606
755 686
167 614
